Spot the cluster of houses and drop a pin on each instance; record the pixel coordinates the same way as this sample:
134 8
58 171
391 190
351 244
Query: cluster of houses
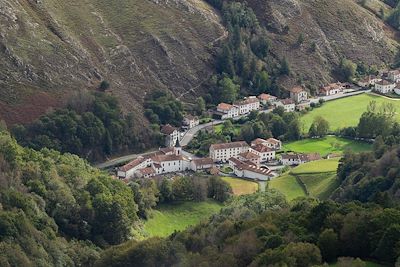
385 83
246 161
165 160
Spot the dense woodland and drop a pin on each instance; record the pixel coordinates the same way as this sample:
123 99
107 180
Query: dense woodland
56 210
263 230
91 126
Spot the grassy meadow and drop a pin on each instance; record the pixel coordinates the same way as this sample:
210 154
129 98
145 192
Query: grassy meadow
178 216
240 186
326 145
346 111
319 178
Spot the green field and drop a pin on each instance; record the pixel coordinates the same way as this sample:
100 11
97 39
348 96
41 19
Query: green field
287 185
326 145
176 217
240 186
318 166
319 178
346 111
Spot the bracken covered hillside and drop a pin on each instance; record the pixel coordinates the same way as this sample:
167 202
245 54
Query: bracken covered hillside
340 28
49 48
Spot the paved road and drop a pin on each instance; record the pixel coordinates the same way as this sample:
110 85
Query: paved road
189 135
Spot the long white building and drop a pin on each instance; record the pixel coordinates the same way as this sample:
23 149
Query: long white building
248 104
224 151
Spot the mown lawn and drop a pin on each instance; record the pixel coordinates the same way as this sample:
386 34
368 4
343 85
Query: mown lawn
319 178
240 186
326 145
177 217
287 185
318 166
346 111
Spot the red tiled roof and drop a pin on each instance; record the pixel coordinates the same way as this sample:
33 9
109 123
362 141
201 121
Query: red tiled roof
384 82
163 158
132 164
168 129
297 89
249 167
249 155
247 101
266 97
167 150
224 106
229 145
273 141
262 148
147 171
203 161
287 101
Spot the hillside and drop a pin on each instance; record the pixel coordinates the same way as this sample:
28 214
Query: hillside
51 48
338 28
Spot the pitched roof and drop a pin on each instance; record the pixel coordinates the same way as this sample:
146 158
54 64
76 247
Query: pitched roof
266 97
332 86
163 158
147 171
132 164
224 106
273 141
258 141
229 145
262 148
297 89
190 117
287 101
289 156
249 155
249 167
203 161
247 101
168 129
384 82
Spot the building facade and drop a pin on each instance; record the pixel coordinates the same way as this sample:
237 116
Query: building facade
385 86
227 110
171 135
224 151
247 105
298 94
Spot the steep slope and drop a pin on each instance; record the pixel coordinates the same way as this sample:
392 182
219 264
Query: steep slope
50 48
337 28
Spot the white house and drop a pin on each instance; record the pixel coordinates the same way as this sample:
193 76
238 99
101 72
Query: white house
191 121
227 110
201 164
250 156
264 152
291 159
303 105
367 81
249 170
129 169
331 89
394 76
270 142
248 104
171 135
288 104
170 163
266 99
385 86
224 151
298 94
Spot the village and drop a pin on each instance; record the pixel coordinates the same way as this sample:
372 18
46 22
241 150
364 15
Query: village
260 160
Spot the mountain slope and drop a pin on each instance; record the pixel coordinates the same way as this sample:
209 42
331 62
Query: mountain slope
51 48
337 28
